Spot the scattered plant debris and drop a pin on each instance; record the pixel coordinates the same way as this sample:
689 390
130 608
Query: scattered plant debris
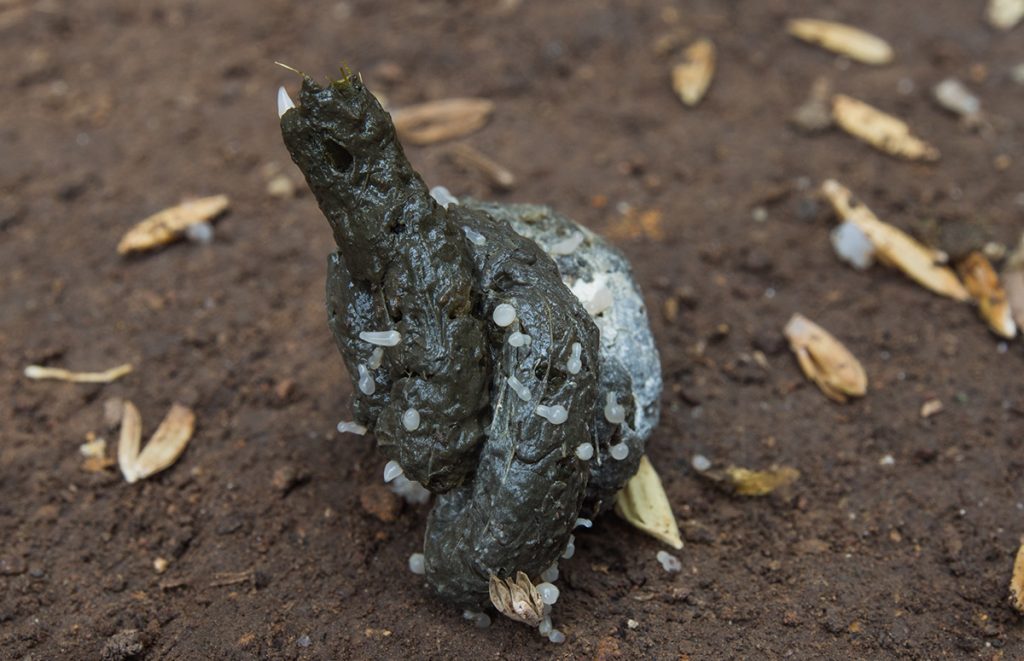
38 372
880 130
170 224
438 121
982 282
164 447
825 361
644 505
847 40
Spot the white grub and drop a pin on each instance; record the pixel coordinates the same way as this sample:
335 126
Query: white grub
376 358
568 245
410 490
852 245
504 315
392 469
443 196
570 548
550 574
700 463
518 339
481 620
574 364
556 636
548 593
619 451
517 386
388 338
952 95
585 451
417 564
613 411
367 386
201 233
284 102
669 562
346 427
411 419
556 414
584 523
476 238
545 627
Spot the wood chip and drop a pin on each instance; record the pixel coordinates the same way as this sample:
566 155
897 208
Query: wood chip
1017 581
1004 14
746 482
517 599
108 376
847 40
931 407
825 361
880 130
437 121
895 247
164 447
644 505
983 284
500 177
168 225
691 78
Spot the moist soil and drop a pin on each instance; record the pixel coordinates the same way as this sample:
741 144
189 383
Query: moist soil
274 534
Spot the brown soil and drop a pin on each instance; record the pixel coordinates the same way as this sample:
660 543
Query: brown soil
116 108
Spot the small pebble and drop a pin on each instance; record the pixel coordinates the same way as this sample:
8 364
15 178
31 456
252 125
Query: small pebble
669 562
417 564
853 246
887 460
632 624
700 463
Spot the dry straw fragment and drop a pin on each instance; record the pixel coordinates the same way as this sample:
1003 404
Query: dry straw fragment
164 447
825 361
983 284
1004 14
437 121
847 40
880 130
1013 282
168 225
517 599
691 79
895 247
497 174
746 482
60 374
1017 581
644 505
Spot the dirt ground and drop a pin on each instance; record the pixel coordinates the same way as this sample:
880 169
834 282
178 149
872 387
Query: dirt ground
115 109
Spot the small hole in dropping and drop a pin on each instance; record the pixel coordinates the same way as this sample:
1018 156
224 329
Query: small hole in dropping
340 157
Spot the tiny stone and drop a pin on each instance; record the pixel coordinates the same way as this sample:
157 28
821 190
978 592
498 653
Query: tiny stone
700 463
632 624
887 460
669 562
853 246
504 314
282 187
585 451
160 565
379 502
417 564
304 641
759 214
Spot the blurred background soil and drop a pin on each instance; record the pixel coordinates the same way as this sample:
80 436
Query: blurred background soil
279 541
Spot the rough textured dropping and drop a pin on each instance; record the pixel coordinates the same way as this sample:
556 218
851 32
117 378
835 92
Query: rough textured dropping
504 315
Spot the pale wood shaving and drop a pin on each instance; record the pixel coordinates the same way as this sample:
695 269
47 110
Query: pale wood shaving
880 130
169 224
437 121
847 40
60 374
895 247
983 284
130 440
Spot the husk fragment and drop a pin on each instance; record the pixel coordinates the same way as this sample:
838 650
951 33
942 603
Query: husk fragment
644 505
60 374
880 130
164 447
825 361
692 77
847 40
983 284
168 225
437 121
517 599
895 247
